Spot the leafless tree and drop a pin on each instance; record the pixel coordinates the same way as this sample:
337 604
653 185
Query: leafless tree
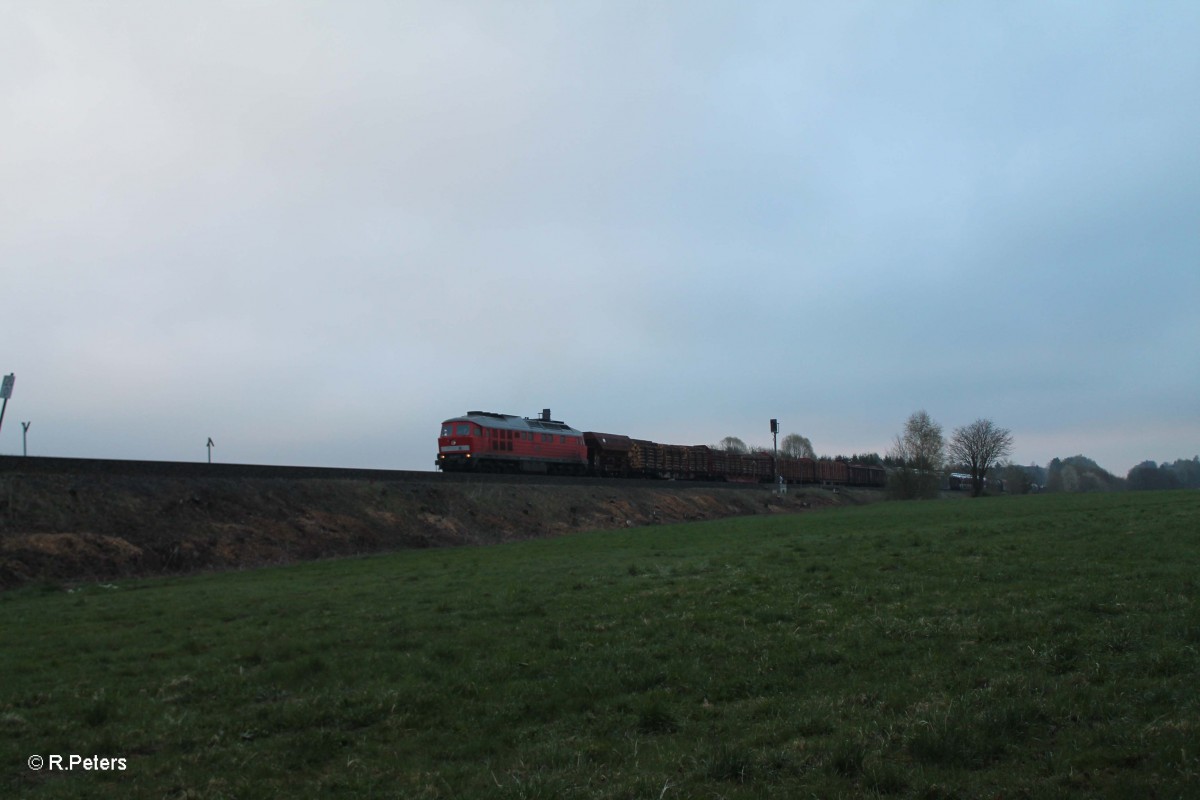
796 446
920 450
978 446
732 444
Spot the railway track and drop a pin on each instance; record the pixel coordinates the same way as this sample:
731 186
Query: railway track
14 465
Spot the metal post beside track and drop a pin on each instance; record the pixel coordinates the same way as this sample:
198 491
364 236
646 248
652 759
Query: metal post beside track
6 392
779 485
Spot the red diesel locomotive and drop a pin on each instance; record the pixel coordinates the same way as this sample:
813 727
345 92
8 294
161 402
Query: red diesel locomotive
488 442
484 441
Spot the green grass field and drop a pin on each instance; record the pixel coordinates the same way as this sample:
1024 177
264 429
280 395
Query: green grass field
1042 646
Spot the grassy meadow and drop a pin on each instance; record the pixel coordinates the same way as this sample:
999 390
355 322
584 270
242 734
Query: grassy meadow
1040 647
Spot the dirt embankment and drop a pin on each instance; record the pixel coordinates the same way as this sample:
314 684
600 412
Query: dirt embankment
77 528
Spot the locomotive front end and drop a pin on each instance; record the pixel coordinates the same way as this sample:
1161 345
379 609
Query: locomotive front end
456 445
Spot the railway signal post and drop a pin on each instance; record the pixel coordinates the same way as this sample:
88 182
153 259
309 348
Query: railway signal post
779 486
6 392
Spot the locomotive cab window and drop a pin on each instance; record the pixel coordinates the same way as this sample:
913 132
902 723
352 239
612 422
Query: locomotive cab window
446 430
464 429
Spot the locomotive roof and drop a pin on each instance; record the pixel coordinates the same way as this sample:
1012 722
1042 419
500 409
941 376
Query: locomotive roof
490 419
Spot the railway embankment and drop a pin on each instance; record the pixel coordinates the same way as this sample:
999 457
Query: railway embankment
84 526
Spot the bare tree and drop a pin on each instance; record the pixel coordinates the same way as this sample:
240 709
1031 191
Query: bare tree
920 452
978 446
796 446
732 444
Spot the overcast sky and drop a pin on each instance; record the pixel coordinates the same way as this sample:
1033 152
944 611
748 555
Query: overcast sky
313 231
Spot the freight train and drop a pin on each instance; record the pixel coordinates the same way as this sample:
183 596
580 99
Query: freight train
484 441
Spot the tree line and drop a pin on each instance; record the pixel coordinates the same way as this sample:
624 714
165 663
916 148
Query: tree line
1180 474
921 454
921 458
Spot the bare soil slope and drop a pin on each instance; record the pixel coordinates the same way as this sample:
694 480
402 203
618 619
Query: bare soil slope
72 528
